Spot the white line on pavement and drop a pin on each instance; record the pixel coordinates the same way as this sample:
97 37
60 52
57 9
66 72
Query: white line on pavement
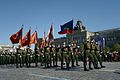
49 77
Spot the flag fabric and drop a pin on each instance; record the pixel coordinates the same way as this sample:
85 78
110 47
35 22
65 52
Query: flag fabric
42 43
34 38
50 34
26 39
17 37
67 28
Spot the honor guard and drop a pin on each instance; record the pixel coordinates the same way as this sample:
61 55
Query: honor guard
64 56
97 53
92 53
86 54
57 55
47 56
36 55
18 53
42 56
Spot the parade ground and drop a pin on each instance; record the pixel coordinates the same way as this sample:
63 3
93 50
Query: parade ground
10 72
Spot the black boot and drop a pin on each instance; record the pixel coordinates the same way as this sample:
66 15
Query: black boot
85 69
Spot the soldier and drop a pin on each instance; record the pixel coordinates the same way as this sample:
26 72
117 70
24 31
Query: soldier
27 58
47 56
65 56
87 55
62 50
42 56
23 57
92 51
57 55
51 55
97 53
18 55
36 56
75 54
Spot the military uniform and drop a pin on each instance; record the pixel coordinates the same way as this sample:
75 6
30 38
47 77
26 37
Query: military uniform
36 56
97 53
95 63
41 57
65 57
87 55
27 57
76 54
57 55
18 56
47 56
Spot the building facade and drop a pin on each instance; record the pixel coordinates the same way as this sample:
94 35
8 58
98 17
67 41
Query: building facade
112 36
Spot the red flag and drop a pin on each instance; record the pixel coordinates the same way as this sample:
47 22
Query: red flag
26 39
42 44
34 38
17 37
50 34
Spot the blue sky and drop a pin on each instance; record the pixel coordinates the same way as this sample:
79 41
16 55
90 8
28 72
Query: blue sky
40 14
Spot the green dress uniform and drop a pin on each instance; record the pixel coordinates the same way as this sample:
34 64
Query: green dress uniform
97 53
17 57
47 56
62 52
41 56
87 55
65 57
76 54
23 57
27 58
57 56
36 56
95 63
51 56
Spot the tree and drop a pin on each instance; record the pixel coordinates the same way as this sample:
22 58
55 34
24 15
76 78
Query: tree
116 47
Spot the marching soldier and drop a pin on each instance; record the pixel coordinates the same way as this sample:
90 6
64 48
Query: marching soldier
27 59
42 56
36 56
97 53
18 55
23 57
47 56
92 52
87 55
51 55
62 56
57 55
76 53
65 56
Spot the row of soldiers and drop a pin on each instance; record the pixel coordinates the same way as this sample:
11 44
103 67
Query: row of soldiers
50 56
92 54
47 56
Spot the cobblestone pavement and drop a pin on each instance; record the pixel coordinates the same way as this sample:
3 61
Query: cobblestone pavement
111 72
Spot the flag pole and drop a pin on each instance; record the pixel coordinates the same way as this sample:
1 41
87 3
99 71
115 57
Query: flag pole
72 33
45 37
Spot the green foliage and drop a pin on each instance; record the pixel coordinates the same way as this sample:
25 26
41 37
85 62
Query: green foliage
107 49
116 47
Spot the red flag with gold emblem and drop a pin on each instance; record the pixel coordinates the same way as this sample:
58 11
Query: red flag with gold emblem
17 37
26 39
